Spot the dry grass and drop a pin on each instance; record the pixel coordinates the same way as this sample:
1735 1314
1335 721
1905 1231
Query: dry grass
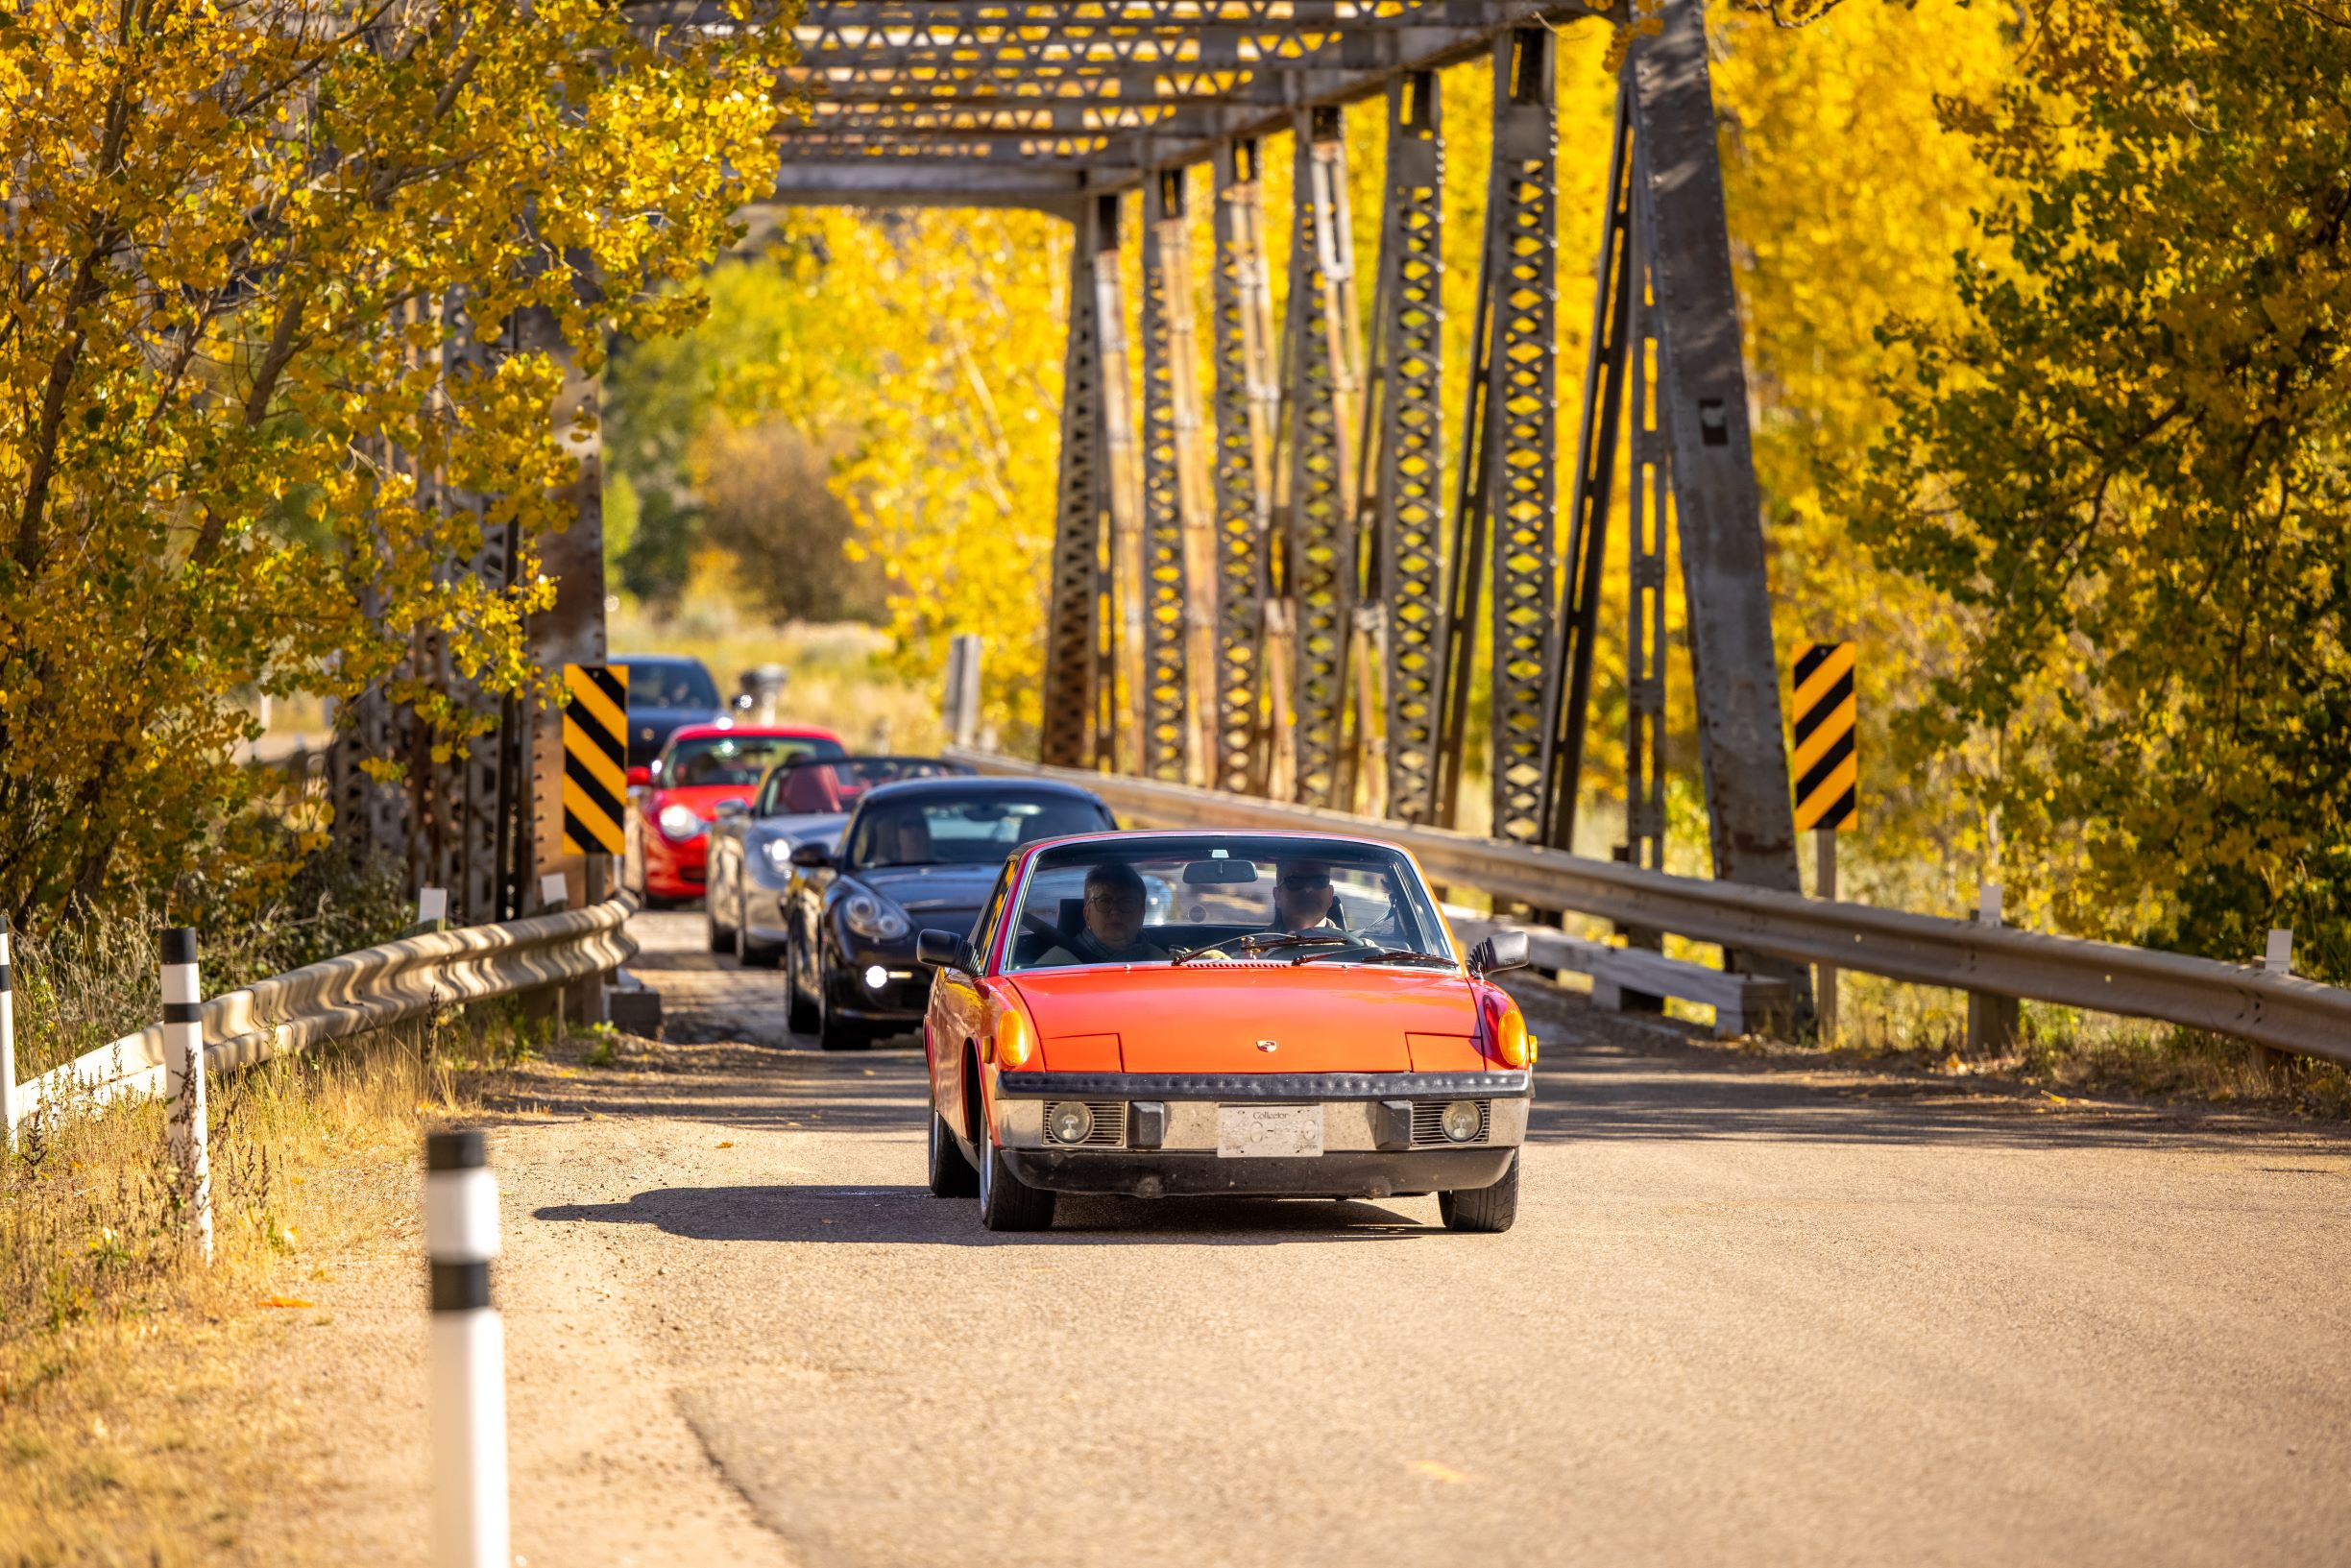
123 1436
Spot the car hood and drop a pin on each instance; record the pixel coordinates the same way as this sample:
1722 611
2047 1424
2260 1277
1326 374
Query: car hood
928 891
1217 1018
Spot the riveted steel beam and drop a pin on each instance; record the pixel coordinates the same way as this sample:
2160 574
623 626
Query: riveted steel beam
1410 477
1247 409
1178 581
1519 452
1075 617
1325 356
1702 395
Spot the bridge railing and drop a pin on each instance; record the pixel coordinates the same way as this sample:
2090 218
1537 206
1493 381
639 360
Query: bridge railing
2285 1012
351 994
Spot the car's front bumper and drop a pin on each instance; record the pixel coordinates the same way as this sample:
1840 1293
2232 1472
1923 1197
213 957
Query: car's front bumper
1158 1134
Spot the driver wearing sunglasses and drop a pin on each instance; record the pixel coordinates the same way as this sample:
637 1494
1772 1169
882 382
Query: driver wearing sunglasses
1303 899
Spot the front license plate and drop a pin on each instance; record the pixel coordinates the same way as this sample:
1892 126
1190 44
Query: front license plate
1246 1132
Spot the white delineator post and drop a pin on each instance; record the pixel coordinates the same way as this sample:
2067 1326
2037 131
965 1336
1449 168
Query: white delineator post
468 1392
432 904
8 1042
554 892
1994 1022
183 1080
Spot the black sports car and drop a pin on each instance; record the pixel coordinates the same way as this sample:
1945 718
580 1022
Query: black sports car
922 852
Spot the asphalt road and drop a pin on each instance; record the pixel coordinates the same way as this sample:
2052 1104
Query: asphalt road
1748 1315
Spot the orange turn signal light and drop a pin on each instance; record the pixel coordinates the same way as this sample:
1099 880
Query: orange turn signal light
1015 1043
1511 1041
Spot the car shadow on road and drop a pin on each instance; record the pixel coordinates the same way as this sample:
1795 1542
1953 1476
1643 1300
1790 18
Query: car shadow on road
902 1215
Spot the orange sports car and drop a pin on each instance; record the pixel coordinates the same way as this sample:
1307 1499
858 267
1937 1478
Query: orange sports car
1281 1015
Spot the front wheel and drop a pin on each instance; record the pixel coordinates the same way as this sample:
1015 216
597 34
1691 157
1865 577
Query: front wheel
832 1032
800 1013
1006 1202
722 937
951 1171
1482 1210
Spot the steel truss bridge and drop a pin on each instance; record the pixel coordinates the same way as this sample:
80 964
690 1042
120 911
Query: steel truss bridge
1267 584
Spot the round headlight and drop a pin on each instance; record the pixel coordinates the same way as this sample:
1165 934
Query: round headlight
874 917
1461 1120
680 823
778 853
876 976
1071 1122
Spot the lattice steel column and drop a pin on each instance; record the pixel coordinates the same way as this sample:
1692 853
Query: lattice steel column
1247 406
1411 460
1178 586
1128 730
1074 613
1520 451
1614 278
1325 355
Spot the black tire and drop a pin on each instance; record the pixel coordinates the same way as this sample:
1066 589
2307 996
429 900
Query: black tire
1485 1210
1006 1202
951 1169
800 1013
837 1033
722 937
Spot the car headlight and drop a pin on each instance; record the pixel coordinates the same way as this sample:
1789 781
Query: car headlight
1070 1122
778 855
1461 1120
874 917
679 823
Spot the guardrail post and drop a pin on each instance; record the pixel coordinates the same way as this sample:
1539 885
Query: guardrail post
7 1043
468 1390
2278 960
183 1079
1994 1022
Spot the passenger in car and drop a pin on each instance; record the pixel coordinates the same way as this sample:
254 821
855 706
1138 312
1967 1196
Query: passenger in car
1303 899
1113 934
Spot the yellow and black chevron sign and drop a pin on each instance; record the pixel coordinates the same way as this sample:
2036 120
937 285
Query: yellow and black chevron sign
596 759
1824 766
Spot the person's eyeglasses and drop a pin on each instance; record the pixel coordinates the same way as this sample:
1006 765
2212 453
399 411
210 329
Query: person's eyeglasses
1304 882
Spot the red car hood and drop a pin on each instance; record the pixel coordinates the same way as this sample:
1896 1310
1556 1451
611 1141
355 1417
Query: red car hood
703 800
1214 1018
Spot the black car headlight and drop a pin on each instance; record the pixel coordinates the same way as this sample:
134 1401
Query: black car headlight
867 913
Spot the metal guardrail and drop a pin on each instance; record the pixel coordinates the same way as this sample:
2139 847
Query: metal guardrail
357 992
2283 1011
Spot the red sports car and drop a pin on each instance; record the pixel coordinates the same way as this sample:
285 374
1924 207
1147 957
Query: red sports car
1279 1015
703 767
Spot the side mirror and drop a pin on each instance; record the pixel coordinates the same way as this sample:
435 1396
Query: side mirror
640 778
943 950
733 809
1504 950
811 857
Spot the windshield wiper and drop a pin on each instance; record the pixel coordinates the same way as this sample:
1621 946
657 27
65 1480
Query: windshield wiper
1265 942
1385 956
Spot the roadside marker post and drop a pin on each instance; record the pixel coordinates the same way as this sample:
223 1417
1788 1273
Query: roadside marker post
183 1080
7 1043
1827 769
467 1394
596 759
432 906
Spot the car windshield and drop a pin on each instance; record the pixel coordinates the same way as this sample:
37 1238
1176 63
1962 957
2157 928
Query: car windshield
809 787
1223 898
670 684
980 829
736 760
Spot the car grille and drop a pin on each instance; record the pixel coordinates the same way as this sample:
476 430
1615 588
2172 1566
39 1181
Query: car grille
1109 1125
1428 1124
